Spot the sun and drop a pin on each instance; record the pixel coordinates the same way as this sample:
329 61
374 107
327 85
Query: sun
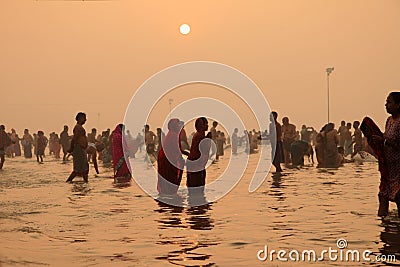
184 29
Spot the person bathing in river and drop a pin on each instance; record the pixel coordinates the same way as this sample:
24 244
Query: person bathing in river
170 162
387 148
120 154
78 147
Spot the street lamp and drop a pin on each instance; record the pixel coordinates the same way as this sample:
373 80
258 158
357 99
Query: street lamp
328 72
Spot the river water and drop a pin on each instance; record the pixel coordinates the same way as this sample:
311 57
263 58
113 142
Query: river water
47 222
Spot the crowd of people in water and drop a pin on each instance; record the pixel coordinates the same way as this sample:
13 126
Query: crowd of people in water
332 148
99 146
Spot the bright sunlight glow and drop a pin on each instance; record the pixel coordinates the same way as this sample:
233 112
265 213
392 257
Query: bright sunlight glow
184 29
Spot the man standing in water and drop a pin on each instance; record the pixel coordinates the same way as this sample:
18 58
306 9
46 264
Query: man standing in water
342 133
5 141
214 136
275 131
79 144
65 142
288 137
357 141
149 140
198 157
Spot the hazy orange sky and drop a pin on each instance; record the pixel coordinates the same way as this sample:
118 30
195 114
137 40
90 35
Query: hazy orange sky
60 57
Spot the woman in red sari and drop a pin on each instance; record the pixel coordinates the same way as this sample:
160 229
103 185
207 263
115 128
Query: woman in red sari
387 147
120 164
170 162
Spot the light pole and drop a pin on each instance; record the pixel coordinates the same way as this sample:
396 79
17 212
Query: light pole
328 72
170 103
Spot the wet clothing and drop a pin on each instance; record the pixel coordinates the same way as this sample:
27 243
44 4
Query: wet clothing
388 156
170 162
297 151
5 141
80 143
196 174
120 164
277 151
65 141
41 145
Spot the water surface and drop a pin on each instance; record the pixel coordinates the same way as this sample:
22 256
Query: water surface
46 222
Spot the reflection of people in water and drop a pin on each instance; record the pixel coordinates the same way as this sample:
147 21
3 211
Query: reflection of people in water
198 157
390 237
197 217
170 162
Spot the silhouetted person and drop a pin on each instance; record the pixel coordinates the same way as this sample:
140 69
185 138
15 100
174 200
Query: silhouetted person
342 133
65 141
79 144
41 146
234 142
5 142
387 147
27 143
275 130
357 139
214 135
288 137
198 157
120 155
170 162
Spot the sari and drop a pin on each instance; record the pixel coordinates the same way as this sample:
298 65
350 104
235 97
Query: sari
27 142
120 163
388 157
369 128
170 162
